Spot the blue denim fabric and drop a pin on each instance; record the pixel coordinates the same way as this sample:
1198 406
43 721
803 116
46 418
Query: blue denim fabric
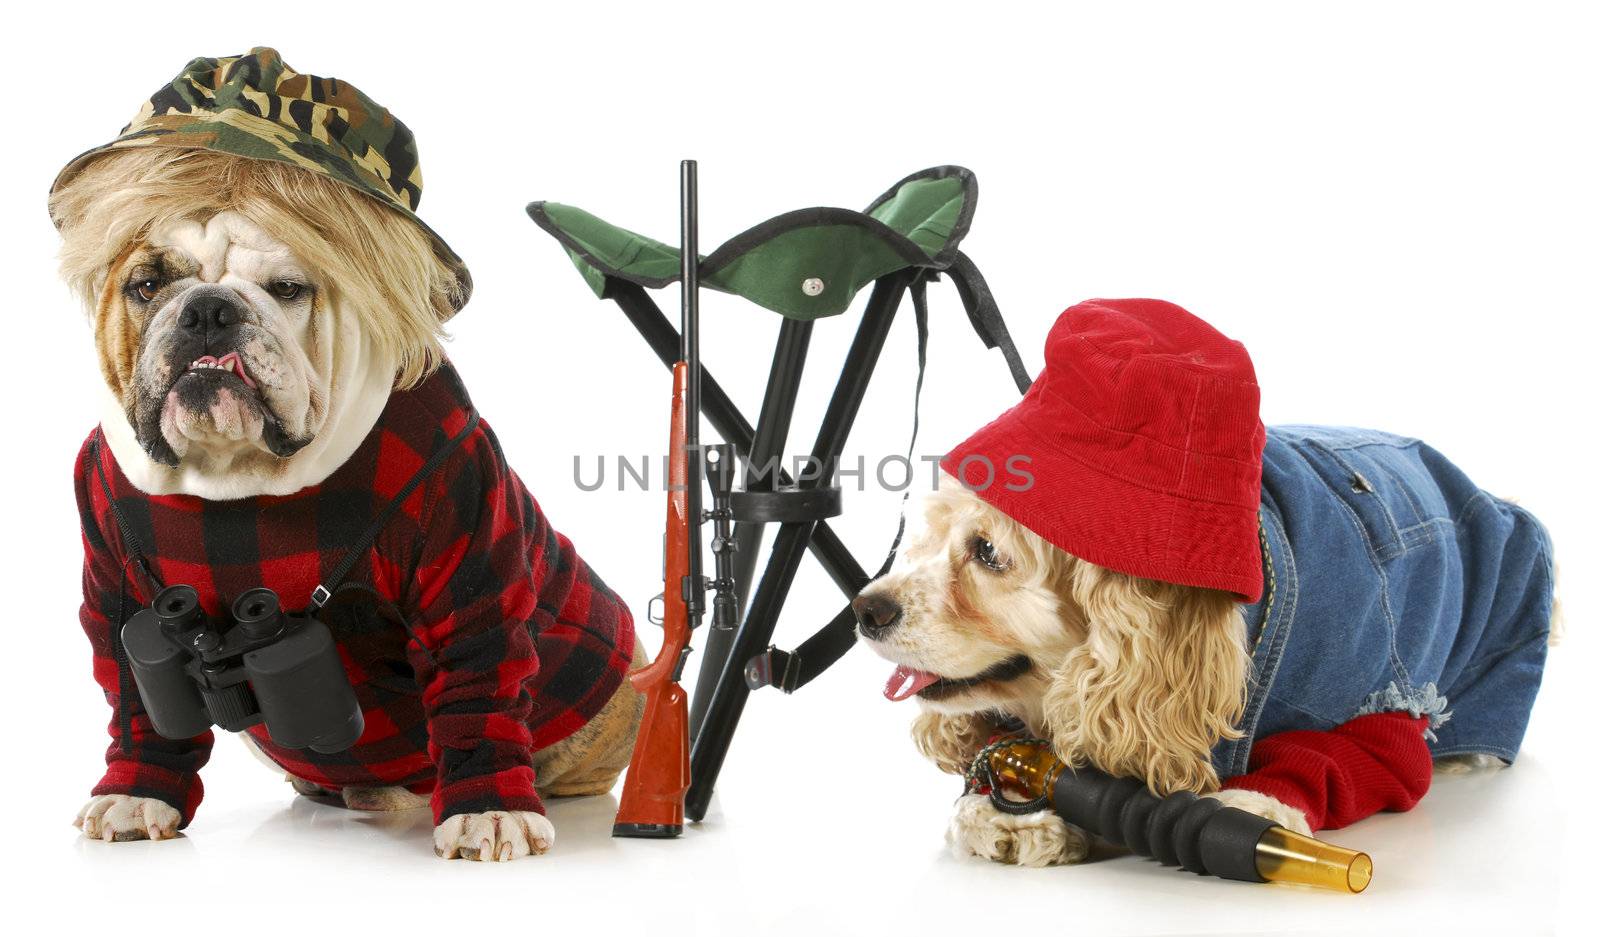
1393 583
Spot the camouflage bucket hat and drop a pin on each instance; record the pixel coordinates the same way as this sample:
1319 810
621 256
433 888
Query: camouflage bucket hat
257 107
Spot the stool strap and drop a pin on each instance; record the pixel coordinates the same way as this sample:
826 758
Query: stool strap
985 316
325 590
791 670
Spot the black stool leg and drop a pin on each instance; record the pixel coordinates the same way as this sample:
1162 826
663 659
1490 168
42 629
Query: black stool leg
771 436
755 632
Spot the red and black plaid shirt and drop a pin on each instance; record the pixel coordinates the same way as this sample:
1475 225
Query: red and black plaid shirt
525 644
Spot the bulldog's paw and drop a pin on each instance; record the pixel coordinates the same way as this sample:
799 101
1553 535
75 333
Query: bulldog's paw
1265 806
119 818
381 799
1031 839
496 836
309 788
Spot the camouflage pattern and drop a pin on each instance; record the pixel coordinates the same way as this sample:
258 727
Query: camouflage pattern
257 107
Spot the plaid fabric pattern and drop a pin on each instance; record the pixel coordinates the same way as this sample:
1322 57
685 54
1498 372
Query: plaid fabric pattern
523 642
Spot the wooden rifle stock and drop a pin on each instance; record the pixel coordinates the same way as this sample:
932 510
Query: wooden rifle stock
658 773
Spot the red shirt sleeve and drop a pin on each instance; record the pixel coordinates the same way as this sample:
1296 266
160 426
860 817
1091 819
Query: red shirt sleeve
139 762
477 587
1371 763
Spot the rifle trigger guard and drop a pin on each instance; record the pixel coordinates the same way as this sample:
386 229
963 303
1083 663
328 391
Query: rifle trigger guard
657 617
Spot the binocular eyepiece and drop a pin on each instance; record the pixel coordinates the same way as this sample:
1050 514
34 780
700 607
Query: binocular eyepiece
268 667
179 607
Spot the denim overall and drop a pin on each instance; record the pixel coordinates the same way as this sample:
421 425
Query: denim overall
1392 583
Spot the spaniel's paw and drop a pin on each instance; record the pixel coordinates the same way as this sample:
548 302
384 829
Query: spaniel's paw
1031 839
1469 763
496 836
120 818
1262 805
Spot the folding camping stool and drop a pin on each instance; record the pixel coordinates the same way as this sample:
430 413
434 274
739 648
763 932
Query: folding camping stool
804 265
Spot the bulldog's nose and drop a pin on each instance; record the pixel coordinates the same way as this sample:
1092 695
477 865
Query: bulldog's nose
209 311
876 613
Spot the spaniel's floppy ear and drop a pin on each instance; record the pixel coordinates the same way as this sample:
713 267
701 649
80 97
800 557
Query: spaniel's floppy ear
1158 681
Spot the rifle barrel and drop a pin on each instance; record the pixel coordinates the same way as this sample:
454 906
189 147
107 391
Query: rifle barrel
689 275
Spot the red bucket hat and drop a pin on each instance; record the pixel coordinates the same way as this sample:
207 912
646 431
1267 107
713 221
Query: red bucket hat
1143 436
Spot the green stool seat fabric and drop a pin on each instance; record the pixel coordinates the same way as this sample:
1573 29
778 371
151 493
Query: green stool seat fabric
806 264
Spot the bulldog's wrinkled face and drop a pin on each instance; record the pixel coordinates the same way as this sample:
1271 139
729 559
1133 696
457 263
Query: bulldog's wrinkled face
211 351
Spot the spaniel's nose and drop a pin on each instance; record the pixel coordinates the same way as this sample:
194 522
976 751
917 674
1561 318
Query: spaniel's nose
876 613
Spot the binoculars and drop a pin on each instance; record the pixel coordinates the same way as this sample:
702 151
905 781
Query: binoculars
269 667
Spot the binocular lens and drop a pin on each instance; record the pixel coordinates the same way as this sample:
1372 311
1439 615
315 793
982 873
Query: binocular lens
301 688
343 736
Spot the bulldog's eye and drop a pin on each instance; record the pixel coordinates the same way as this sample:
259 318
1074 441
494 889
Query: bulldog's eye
286 289
145 289
983 551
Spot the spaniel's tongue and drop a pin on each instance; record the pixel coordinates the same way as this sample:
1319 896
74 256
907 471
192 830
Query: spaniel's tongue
905 683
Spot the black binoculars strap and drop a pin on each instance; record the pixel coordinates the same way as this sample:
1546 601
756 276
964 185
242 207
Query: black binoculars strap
325 590
124 672
152 585
130 542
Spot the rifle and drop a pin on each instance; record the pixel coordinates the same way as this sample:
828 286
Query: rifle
658 772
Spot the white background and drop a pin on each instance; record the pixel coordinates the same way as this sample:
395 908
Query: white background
1394 206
